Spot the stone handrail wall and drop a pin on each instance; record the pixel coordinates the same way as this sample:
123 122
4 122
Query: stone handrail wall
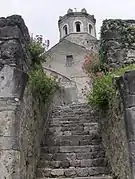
59 77
68 88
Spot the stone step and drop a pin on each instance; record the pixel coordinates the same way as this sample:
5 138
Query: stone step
96 177
79 116
73 121
97 162
72 156
74 140
71 172
84 129
70 121
69 112
69 108
59 111
72 149
66 132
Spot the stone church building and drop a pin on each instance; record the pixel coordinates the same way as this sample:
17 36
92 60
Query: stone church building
65 59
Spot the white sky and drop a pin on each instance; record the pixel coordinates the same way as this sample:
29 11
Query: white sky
41 16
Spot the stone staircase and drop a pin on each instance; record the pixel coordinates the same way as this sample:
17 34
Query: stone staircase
72 147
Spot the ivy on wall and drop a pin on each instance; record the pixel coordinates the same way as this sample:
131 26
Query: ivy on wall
122 31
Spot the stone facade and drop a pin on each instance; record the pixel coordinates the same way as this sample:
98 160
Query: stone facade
56 61
84 39
76 45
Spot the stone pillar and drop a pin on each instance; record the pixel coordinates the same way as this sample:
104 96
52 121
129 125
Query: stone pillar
14 65
126 86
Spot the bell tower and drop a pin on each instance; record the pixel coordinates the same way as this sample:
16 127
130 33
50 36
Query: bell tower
78 27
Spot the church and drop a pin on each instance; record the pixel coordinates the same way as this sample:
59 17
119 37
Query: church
77 39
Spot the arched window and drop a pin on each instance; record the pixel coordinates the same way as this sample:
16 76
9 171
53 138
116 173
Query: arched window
65 30
90 28
78 26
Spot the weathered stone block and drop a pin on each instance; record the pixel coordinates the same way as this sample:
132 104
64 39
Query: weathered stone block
130 114
9 164
62 156
82 172
97 171
41 172
70 172
130 101
8 103
65 163
67 133
16 20
57 172
10 32
9 125
9 143
13 82
91 155
12 53
129 79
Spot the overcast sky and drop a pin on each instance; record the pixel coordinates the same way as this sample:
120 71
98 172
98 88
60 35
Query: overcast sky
41 16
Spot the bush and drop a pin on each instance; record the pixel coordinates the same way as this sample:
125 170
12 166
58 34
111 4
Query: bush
103 90
93 65
37 51
41 85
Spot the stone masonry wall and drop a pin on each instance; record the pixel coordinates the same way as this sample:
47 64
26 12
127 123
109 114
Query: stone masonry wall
117 48
32 118
115 139
126 85
14 64
21 117
118 42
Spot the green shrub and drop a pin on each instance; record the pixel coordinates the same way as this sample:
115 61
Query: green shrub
103 90
41 85
37 51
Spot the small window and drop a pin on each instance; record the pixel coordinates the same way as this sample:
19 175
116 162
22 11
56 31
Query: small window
69 60
90 28
78 26
65 29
